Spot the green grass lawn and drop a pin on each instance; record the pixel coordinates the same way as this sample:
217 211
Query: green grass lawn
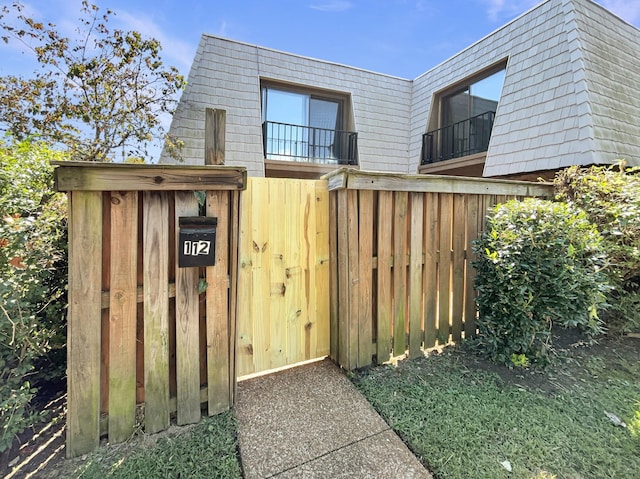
206 450
463 416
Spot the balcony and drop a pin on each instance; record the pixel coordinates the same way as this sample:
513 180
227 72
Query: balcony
305 144
464 138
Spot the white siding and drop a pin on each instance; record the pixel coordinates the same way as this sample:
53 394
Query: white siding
611 51
226 75
538 104
569 96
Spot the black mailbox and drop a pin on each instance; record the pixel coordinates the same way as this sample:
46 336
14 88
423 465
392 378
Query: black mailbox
197 241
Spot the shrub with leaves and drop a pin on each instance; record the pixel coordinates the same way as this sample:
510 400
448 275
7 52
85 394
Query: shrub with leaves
33 272
538 266
610 196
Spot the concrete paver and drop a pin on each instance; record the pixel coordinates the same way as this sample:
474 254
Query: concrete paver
311 422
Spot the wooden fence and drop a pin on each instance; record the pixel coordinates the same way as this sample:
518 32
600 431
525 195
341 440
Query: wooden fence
361 266
283 283
401 275
140 328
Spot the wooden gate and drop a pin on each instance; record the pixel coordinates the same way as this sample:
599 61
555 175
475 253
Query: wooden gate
283 278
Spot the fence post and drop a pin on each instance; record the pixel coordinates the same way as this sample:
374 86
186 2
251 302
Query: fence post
215 124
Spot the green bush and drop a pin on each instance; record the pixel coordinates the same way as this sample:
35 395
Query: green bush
610 196
538 266
33 268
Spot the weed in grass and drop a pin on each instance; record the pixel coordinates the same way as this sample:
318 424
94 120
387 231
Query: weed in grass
463 420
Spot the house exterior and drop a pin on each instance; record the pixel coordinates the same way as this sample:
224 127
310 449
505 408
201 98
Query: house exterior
555 87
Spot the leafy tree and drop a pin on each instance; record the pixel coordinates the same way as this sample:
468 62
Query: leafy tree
100 93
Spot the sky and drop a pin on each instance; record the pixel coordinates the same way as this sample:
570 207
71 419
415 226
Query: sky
402 38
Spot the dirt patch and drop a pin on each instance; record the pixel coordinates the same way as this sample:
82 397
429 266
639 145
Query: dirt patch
575 359
39 448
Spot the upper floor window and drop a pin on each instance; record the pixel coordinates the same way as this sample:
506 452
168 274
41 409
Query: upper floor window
300 125
466 119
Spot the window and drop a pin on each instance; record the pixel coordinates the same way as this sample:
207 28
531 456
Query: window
466 119
473 100
303 126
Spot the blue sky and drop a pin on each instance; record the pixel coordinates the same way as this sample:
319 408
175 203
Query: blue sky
399 37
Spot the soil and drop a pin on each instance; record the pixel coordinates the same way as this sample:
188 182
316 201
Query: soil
572 361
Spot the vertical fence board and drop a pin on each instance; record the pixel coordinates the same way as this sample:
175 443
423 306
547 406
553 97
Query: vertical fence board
246 253
345 280
261 281
400 224
430 284
385 251
156 310
122 315
320 316
471 234
457 281
83 344
353 285
294 247
234 235
217 308
187 326
416 240
308 272
140 341
106 277
279 259
444 268
365 313
334 278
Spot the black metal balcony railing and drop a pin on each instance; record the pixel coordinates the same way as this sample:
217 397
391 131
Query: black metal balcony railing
463 138
307 144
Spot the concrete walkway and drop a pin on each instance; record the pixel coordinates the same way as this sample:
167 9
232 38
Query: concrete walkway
311 422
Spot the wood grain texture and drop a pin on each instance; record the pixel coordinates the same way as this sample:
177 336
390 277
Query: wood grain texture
244 322
293 278
400 225
215 125
472 233
286 314
383 297
343 279
444 267
217 308
365 267
234 235
333 276
353 282
322 270
122 315
156 310
267 337
383 181
84 330
187 326
416 241
457 269
103 176
430 271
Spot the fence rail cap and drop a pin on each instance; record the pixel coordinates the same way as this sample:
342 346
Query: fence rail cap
353 179
88 176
